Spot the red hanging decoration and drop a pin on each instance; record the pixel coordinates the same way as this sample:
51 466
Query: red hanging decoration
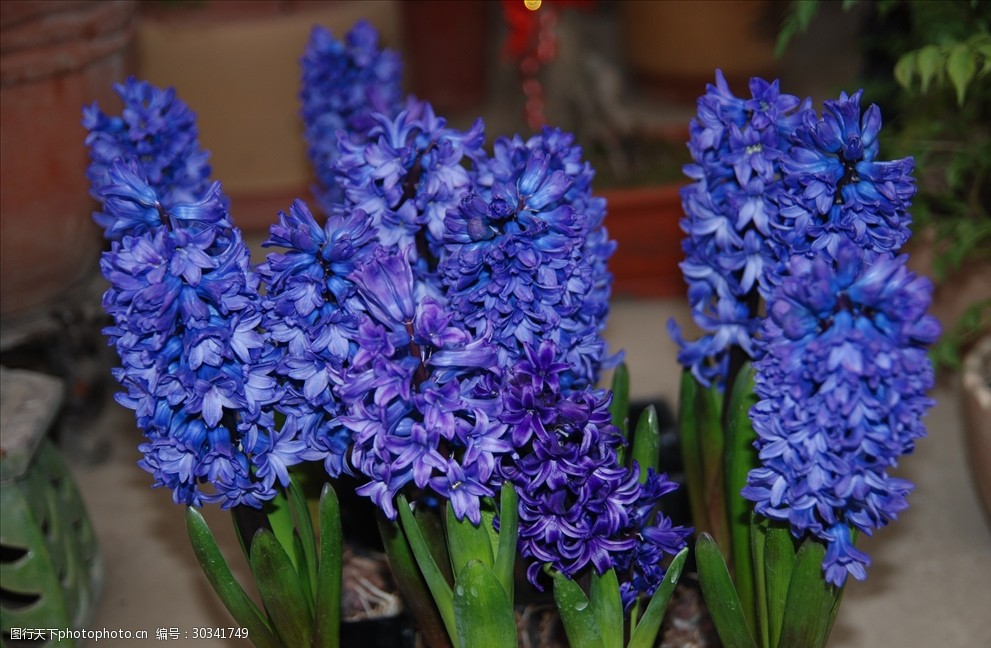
532 43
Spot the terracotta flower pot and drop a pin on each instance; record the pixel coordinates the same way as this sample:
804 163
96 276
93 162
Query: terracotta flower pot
242 57
673 47
56 57
977 417
449 72
644 224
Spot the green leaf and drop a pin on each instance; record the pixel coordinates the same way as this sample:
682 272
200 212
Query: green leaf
712 443
981 43
283 597
961 66
603 592
779 561
812 603
411 582
647 442
228 590
327 621
929 61
304 526
905 69
796 22
805 11
434 533
466 542
509 528
645 634
483 613
758 542
690 454
740 459
439 589
489 515
247 520
620 405
580 623
304 573
281 523
721 597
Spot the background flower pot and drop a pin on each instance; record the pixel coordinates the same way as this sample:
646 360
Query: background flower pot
977 417
449 72
241 58
56 58
673 47
644 223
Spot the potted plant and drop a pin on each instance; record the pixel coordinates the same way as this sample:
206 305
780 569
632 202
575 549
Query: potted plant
977 407
376 346
437 336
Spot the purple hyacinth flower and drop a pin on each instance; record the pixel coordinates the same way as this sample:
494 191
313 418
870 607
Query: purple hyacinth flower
343 84
731 211
384 283
842 390
185 309
578 507
157 133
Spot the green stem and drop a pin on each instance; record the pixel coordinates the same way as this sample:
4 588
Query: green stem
411 583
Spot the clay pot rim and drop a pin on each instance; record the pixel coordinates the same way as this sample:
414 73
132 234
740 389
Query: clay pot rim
975 379
63 38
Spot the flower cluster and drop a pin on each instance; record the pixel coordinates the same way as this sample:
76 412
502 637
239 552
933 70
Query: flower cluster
309 311
773 179
407 175
731 210
380 381
184 304
396 341
526 251
842 388
156 132
578 505
343 84
377 380
837 189
422 400
403 387
795 208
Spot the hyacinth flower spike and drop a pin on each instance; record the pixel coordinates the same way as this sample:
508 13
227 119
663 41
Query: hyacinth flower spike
810 381
343 83
198 372
594 514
